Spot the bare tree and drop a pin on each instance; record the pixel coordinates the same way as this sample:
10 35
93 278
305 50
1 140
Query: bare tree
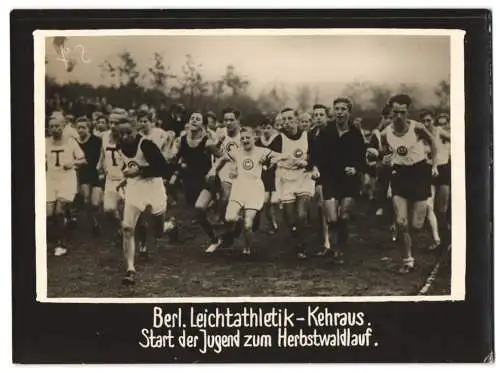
191 83
127 70
236 83
159 73
108 71
122 73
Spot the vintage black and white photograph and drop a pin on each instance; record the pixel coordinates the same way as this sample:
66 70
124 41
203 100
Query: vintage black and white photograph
250 164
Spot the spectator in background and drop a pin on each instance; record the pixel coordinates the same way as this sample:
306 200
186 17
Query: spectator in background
357 122
177 119
69 129
163 116
154 116
305 122
79 108
109 109
385 118
212 121
95 115
101 125
50 106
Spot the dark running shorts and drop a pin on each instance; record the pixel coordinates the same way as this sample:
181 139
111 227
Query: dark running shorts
269 180
193 188
444 177
371 170
344 187
90 177
412 182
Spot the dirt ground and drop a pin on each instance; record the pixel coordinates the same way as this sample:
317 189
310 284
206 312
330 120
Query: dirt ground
94 266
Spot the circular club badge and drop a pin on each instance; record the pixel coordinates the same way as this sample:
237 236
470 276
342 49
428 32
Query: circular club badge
132 164
402 150
298 153
247 164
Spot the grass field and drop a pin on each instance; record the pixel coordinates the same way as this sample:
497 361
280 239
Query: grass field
94 266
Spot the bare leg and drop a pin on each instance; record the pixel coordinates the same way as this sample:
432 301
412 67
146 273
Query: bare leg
95 208
331 208
431 217
442 207
346 206
130 217
302 203
201 206
249 216
401 214
60 227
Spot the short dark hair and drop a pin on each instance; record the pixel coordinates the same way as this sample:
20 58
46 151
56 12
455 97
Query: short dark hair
102 116
320 106
211 114
386 110
402 99
145 113
83 119
344 100
443 115
266 121
247 129
203 116
231 110
426 112
123 119
289 109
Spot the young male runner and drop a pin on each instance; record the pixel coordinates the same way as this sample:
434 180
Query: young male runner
320 121
402 144
110 168
341 165
90 187
297 178
247 192
228 143
62 156
271 140
144 171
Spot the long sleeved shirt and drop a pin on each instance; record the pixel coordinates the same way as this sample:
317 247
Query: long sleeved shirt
332 152
157 165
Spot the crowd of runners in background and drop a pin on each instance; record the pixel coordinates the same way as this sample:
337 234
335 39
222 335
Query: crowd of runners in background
122 167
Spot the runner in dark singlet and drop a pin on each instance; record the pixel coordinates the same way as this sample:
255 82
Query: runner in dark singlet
90 187
194 158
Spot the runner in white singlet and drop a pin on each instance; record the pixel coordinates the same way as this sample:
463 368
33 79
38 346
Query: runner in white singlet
402 142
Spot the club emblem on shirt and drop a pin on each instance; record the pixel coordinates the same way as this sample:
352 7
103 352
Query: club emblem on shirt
132 164
402 150
247 164
230 146
298 153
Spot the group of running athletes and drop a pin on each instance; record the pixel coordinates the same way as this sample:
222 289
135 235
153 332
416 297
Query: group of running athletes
123 165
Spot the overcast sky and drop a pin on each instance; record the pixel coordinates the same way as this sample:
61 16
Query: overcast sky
265 60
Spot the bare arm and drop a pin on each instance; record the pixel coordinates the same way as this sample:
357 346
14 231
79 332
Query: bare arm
78 155
219 164
274 157
213 146
444 134
100 162
425 135
171 149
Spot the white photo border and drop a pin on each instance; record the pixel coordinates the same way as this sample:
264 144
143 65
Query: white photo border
458 194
